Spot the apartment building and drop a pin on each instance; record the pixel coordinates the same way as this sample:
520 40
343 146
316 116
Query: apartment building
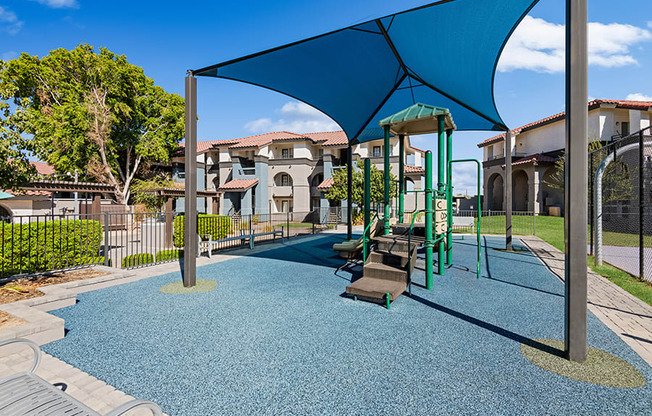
536 146
285 171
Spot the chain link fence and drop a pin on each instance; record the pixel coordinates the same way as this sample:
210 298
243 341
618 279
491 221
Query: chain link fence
620 201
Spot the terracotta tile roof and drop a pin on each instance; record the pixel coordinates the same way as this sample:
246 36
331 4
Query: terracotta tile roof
414 169
417 149
329 138
536 158
265 139
325 184
43 168
632 105
27 193
202 146
238 185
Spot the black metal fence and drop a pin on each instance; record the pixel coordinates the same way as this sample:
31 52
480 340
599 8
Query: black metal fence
620 201
44 243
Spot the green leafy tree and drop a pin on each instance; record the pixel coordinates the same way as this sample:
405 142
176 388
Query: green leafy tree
616 181
15 169
151 201
92 111
338 190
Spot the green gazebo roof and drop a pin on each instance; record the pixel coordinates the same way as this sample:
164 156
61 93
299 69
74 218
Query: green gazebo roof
418 119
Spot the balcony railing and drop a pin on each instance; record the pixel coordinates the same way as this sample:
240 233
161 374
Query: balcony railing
282 190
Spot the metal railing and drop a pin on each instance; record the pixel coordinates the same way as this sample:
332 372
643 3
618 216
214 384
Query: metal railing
493 222
46 243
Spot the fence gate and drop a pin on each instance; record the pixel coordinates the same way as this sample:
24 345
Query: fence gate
620 201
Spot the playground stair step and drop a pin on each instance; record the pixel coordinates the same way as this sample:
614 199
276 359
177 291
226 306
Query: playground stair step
393 243
376 289
392 258
385 272
418 230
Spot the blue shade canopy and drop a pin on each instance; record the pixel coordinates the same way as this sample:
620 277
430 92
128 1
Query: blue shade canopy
444 54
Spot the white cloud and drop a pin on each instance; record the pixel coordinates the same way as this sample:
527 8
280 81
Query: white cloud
538 45
649 24
8 56
295 117
637 96
59 4
465 179
9 21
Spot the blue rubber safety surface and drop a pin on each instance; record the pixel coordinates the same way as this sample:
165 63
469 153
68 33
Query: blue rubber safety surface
277 336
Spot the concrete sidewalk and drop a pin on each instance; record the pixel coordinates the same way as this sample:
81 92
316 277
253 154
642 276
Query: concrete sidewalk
629 317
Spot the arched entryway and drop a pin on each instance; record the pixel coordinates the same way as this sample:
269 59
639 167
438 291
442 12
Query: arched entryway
552 190
520 199
495 192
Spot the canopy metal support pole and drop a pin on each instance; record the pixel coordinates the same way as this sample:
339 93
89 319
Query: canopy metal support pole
367 202
401 176
386 169
449 197
575 195
349 191
428 243
508 190
441 185
190 214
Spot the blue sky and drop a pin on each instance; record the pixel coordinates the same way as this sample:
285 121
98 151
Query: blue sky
166 38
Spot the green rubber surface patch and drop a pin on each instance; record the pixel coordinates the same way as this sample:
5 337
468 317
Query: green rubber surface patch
600 368
177 288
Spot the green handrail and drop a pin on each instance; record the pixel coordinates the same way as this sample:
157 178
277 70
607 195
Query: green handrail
409 270
365 241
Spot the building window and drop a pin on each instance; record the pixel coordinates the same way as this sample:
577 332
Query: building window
286 154
285 180
624 127
377 152
286 205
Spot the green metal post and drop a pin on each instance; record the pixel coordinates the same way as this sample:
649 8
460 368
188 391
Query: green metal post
428 243
441 184
401 176
386 169
367 200
449 197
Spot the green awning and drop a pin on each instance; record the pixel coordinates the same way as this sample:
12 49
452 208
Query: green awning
418 119
5 195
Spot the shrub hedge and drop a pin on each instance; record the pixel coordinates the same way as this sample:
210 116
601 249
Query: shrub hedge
217 226
170 254
137 260
49 245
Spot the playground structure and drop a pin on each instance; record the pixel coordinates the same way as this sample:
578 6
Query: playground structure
388 62
389 259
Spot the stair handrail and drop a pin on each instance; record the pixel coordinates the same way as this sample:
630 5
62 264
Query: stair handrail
365 241
409 264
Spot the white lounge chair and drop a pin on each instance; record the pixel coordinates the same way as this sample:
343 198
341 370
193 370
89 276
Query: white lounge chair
26 394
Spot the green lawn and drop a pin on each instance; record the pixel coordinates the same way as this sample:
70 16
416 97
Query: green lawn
551 230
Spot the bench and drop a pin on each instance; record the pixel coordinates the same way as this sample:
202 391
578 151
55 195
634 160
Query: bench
464 222
25 393
206 242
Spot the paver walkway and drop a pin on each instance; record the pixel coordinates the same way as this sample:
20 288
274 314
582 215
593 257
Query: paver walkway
94 393
629 317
